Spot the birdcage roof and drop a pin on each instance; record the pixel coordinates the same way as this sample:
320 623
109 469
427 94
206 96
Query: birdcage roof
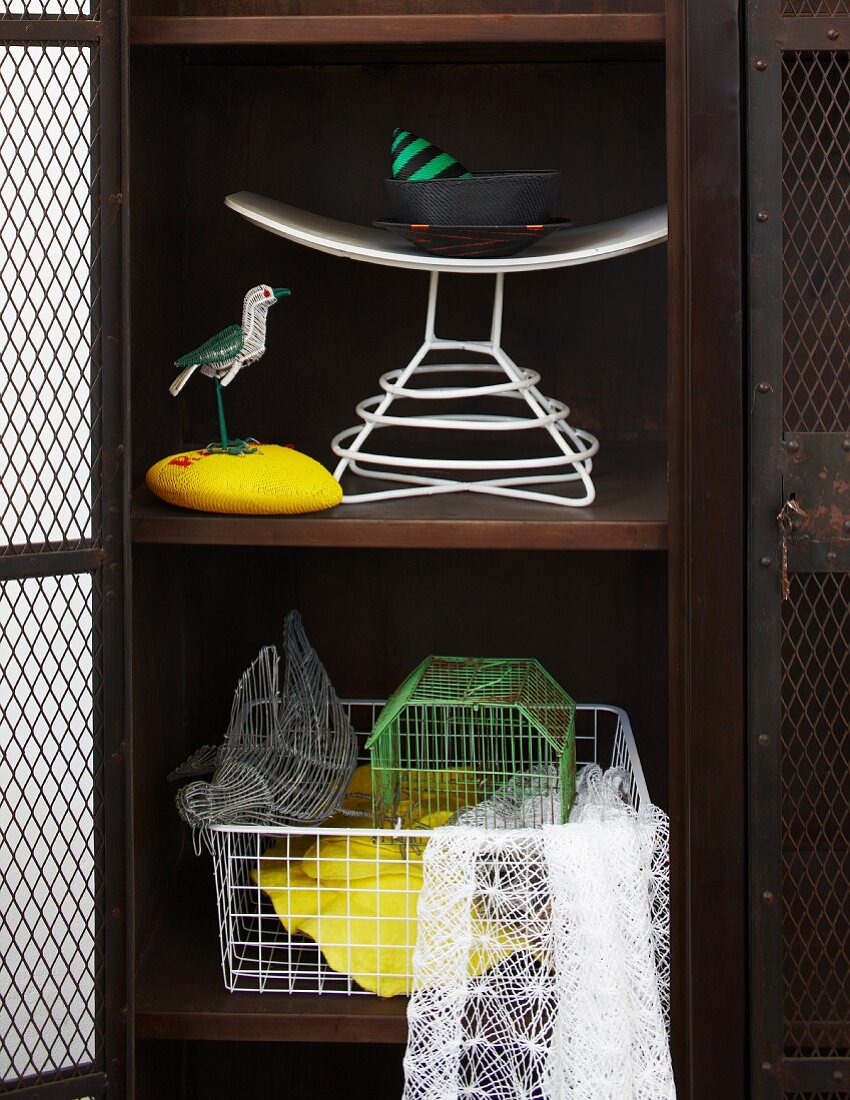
519 682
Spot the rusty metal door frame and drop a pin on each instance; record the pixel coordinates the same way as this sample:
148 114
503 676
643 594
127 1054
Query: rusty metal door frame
799 451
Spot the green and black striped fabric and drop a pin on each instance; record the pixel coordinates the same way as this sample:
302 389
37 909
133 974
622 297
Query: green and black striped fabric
414 158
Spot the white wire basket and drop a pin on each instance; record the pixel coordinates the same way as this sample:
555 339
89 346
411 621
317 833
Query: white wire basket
333 910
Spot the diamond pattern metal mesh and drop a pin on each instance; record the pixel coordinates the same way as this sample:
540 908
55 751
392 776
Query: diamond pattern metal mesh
815 7
50 821
47 9
816 248
815 764
49 296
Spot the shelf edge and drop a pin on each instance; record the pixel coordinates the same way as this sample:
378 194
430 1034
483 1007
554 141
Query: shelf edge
339 1027
358 30
412 534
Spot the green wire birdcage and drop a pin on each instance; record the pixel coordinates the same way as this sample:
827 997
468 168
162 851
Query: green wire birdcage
474 740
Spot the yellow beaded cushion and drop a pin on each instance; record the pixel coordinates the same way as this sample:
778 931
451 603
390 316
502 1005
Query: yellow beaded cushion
272 480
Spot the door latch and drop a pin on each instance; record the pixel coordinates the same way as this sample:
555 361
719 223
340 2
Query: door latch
789 512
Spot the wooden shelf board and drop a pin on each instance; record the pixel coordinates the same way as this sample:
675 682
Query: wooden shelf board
630 513
180 991
311 30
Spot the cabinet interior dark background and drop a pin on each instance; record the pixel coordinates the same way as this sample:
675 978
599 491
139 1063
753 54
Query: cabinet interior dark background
317 136
207 122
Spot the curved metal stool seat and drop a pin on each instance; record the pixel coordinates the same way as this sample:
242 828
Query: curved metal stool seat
572 449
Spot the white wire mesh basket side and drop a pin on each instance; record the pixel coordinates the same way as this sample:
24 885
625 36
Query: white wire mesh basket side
333 910
351 948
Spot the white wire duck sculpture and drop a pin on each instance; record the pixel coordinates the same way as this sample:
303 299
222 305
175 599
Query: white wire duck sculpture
225 354
287 756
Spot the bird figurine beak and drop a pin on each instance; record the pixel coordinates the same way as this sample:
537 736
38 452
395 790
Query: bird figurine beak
281 292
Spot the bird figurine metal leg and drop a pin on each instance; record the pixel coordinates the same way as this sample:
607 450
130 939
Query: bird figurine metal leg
228 446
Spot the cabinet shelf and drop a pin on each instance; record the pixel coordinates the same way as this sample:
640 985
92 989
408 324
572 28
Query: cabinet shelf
630 513
366 30
180 992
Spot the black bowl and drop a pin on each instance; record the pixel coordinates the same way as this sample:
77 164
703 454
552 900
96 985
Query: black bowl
487 198
472 242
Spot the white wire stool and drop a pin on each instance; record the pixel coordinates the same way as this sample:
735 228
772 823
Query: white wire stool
574 447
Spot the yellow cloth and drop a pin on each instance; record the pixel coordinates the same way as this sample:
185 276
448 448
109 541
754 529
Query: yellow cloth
356 899
365 925
348 859
370 933
271 481
293 894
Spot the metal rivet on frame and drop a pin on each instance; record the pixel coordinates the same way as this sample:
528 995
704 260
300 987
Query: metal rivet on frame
832 557
763 387
762 216
763 739
768 897
832 34
761 65
793 445
767 1067
764 562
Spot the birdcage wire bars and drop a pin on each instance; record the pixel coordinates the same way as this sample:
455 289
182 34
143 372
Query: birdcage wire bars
471 731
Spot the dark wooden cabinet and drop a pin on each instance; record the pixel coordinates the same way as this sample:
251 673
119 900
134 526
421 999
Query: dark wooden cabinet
637 600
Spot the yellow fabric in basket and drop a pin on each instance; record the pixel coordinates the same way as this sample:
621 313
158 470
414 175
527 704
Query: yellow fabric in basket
370 934
358 799
365 927
272 480
357 927
294 895
451 789
350 858
357 899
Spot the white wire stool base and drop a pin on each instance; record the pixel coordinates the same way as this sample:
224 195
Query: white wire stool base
574 448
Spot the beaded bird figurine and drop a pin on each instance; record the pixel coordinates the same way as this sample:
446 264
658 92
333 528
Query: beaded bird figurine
225 354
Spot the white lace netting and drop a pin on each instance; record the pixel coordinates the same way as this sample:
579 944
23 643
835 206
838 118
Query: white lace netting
541 970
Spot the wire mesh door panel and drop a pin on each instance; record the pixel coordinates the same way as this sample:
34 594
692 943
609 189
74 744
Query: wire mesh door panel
51 950
50 311
815 795
61 663
83 10
799 141
815 7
